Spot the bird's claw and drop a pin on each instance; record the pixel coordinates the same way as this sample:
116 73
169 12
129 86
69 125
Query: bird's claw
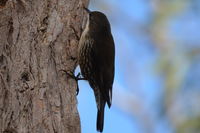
77 78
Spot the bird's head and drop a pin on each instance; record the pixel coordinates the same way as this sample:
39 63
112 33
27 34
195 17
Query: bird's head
97 21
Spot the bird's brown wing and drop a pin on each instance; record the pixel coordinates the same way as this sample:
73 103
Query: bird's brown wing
103 61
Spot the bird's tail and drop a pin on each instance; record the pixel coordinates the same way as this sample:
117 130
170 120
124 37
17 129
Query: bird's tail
100 116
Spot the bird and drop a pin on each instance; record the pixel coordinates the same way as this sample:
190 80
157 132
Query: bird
96 58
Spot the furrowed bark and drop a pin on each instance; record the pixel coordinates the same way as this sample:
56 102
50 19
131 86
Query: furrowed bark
38 42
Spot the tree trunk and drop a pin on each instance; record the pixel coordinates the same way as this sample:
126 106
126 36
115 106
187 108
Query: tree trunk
38 42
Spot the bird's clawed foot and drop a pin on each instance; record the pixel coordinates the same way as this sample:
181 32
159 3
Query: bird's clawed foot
77 78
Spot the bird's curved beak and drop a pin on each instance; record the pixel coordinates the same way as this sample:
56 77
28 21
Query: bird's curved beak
87 10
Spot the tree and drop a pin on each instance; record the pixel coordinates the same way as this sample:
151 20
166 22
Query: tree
38 42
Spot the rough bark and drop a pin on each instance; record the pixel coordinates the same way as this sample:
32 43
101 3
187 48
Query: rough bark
38 40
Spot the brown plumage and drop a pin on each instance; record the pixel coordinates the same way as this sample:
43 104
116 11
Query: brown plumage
96 60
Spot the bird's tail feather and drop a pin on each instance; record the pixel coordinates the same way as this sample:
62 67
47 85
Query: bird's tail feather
100 116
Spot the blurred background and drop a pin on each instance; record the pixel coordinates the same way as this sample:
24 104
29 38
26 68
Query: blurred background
157 75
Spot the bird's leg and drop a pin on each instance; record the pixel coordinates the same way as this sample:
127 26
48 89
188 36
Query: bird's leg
77 78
